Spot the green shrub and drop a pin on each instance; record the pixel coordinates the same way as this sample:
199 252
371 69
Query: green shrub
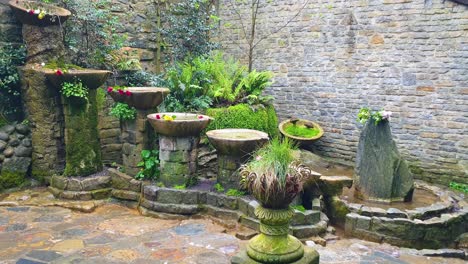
459 186
123 111
244 116
10 179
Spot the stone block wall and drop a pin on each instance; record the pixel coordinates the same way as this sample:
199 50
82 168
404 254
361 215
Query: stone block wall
407 56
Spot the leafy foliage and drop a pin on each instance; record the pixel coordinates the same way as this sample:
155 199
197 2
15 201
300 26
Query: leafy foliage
244 116
377 116
123 111
234 192
149 165
459 186
218 187
180 187
300 208
190 28
74 89
11 56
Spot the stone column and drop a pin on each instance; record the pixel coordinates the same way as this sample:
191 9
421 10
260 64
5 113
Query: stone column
43 110
137 135
178 157
83 149
228 174
43 43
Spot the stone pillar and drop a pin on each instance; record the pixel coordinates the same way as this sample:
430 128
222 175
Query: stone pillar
228 170
178 157
83 149
137 135
43 110
43 43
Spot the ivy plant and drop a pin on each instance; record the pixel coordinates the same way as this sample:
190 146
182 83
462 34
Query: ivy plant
74 89
123 111
149 165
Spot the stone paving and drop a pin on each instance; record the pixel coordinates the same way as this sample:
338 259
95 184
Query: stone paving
116 234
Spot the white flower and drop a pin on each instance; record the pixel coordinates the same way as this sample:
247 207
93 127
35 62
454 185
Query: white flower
37 11
43 64
386 114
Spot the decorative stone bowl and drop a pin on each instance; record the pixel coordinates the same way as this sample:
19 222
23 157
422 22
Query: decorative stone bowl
90 78
236 142
142 98
183 125
54 15
301 140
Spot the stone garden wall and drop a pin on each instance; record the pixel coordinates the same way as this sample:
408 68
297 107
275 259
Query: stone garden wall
407 56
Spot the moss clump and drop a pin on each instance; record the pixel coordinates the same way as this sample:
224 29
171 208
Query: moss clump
82 138
56 64
301 131
10 179
243 116
100 98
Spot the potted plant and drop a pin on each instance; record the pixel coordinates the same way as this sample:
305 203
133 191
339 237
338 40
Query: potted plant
274 178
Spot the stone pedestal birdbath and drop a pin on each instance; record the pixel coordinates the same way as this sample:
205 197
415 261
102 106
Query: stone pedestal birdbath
179 135
42 30
234 147
82 145
136 134
301 124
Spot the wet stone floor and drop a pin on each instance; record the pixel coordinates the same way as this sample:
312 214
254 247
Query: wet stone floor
116 234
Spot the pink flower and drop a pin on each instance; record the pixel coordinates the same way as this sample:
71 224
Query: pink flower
58 72
386 114
258 158
200 117
31 12
158 117
128 93
121 92
110 89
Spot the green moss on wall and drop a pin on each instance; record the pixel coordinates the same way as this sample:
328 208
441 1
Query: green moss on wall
100 98
10 179
243 116
83 153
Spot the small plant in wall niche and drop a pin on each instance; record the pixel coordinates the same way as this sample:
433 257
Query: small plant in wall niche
218 187
74 90
366 114
234 192
123 111
149 165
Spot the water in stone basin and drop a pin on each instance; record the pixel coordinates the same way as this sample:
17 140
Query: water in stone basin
238 135
421 197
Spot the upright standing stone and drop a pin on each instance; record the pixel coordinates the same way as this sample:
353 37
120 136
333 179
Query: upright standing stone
381 172
43 44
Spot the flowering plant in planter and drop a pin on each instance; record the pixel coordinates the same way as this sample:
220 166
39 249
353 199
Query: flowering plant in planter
122 90
366 114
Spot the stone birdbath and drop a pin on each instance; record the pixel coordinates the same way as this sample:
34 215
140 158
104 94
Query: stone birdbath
42 29
234 147
179 135
136 134
301 123
82 145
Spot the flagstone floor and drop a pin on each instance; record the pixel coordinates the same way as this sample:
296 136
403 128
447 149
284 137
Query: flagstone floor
31 232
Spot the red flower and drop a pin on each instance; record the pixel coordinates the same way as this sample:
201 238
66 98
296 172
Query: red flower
128 93
121 92
110 89
31 12
200 117
58 72
158 117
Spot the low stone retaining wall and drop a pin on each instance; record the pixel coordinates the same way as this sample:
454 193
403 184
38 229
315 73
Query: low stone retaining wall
81 188
435 226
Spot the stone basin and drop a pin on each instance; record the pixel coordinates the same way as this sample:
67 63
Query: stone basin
301 140
142 98
54 15
92 79
184 125
236 142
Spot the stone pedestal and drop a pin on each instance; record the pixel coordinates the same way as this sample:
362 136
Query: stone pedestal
43 110
83 151
228 170
44 44
136 136
274 244
178 157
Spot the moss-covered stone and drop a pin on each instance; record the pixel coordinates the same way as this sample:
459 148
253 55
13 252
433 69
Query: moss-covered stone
337 210
83 152
243 116
10 179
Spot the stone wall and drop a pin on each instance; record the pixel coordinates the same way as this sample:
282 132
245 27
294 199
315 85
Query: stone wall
407 56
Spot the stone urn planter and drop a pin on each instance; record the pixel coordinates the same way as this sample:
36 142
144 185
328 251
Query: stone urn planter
274 180
90 78
234 148
301 123
137 134
26 12
179 135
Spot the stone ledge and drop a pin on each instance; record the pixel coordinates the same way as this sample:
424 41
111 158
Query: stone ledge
79 184
81 195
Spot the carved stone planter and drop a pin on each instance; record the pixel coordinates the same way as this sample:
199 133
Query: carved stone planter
53 15
234 147
302 140
178 145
